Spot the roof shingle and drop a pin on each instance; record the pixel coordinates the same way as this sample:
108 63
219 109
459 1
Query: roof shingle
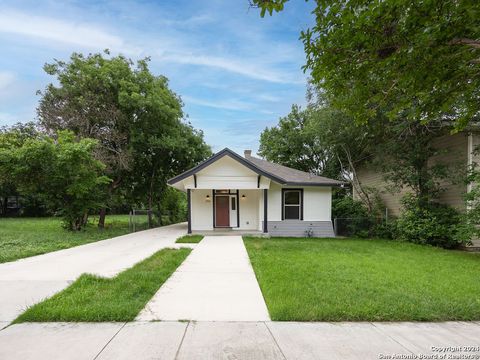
292 176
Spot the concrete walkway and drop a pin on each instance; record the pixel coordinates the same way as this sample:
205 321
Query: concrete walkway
239 340
215 283
27 281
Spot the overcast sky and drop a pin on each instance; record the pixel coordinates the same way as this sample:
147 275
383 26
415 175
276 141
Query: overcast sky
235 71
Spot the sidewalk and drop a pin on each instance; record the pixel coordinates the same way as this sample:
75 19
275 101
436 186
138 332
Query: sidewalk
28 281
215 283
236 340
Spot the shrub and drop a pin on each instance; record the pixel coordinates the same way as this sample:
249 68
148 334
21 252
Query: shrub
384 229
431 223
352 217
346 207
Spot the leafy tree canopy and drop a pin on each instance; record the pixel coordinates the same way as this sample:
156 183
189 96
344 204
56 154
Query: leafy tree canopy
414 60
136 118
63 170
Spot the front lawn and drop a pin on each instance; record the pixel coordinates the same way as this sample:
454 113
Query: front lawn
364 280
23 237
190 239
93 298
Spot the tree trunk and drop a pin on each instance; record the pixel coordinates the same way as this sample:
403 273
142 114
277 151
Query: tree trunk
159 210
150 199
103 212
4 206
85 218
101 218
150 220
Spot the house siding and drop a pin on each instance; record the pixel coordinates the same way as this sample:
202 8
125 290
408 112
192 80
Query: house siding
298 228
454 152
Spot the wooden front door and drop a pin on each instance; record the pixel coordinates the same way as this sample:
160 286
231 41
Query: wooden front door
222 211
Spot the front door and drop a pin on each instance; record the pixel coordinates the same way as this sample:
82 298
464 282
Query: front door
222 211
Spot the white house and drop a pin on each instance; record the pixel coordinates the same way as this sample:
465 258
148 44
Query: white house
231 192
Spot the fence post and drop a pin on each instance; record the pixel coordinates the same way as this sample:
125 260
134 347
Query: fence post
335 227
133 220
130 220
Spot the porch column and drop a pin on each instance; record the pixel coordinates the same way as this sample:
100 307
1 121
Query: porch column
265 211
189 211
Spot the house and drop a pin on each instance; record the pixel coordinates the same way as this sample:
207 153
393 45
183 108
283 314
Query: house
248 194
457 152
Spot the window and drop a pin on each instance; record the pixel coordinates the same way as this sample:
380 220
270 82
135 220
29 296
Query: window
292 204
234 204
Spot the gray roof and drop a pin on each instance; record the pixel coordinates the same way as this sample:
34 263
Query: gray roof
292 176
278 173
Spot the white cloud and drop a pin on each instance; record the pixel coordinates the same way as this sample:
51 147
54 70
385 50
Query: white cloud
60 31
6 79
245 67
218 104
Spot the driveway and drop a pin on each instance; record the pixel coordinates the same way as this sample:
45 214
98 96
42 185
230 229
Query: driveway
240 340
27 281
215 283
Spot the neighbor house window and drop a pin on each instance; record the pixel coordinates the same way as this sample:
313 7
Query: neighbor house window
292 204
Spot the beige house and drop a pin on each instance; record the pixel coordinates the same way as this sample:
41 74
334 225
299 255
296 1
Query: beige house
458 151
228 192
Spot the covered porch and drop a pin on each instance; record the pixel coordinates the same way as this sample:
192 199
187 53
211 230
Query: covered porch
227 211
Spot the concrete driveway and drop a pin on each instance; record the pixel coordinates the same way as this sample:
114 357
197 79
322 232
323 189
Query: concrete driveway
215 283
240 340
27 281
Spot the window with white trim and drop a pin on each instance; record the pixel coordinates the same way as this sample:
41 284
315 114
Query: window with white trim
292 204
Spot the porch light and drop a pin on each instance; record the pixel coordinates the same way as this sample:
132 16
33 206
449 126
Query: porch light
207 198
243 197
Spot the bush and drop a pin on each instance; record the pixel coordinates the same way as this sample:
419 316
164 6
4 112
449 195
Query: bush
431 223
346 208
352 217
385 230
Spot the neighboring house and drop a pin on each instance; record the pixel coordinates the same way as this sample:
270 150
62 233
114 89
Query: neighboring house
457 151
231 192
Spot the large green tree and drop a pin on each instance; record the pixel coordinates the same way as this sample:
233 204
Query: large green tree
13 137
403 150
408 59
63 170
133 114
293 143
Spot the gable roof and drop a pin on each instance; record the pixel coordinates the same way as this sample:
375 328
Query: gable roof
278 173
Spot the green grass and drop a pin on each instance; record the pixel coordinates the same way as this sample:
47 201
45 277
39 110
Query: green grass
190 239
91 298
23 237
365 280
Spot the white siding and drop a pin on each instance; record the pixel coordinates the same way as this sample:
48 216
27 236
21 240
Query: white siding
275 202
202 210
226 173
249 210
317 203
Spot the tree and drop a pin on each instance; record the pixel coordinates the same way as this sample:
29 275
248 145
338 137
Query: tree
406 156
293 143
159 155
410 60
13 137
402 150
133 114
64 171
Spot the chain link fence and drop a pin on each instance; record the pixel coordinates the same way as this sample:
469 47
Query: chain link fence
359 226
147 219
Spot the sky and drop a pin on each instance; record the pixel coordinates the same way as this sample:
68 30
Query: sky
235 72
